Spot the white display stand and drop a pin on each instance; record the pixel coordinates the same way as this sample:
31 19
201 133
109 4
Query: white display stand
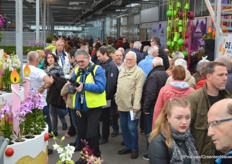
30 151
6 97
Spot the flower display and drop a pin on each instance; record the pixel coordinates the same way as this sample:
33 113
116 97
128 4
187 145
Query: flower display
9 63
30 116
2 21
33 46
65 153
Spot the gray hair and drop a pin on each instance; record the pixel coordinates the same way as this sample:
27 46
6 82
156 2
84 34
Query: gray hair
178 54
80 52
32 56
59 41
118 51
152 50
145 48
157 61
181 62
121 49
131 52
137 44
200 64
85 48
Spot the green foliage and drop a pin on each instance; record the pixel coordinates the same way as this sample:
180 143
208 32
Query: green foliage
49 38
12 49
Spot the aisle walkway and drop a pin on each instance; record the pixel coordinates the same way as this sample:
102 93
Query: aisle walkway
108 150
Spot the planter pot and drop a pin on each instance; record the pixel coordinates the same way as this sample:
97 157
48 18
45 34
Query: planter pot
30 151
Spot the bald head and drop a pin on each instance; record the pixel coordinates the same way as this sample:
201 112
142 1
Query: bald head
225 106
225 60
32 56
220 125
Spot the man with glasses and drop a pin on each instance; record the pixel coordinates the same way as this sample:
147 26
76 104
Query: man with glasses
201 100
128 95
220 128
88 100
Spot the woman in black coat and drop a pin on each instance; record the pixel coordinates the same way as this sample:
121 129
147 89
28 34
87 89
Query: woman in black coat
52 68
170 140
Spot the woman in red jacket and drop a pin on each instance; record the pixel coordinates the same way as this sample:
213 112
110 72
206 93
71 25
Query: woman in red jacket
177 88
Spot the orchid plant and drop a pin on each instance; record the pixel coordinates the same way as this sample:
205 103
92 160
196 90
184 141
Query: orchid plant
6 116
33 46
65 153
30 116
88 156
2 21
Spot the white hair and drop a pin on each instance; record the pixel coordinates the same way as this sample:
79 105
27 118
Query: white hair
131 52
152 49
157 61
32 56
178 54
145 48
137 44
181 62
121 49
59 41
200 64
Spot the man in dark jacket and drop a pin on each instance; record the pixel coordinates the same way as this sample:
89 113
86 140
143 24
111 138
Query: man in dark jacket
136 49
111 72
155 41
155 81
201 100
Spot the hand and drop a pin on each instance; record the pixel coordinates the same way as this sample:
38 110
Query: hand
65 98
51 79
80 88
136 111
41 90
147 113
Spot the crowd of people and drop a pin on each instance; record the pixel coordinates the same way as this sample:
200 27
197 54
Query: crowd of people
186 118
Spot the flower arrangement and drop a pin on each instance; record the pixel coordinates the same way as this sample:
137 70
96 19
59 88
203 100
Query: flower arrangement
88 156
65 152
33 46
30 116
9 63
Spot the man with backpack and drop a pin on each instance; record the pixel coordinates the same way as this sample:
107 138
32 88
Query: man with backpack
89 97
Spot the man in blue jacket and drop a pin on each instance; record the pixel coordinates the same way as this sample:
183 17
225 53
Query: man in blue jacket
88 99
111 72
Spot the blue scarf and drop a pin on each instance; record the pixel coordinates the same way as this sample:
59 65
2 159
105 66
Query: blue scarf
62 55
219 160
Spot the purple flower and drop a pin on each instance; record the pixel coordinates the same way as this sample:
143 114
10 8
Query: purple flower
6 109
2 115
201 42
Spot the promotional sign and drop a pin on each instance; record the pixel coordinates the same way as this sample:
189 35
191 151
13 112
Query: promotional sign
225 46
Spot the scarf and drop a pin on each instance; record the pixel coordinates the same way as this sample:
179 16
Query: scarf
50 67
219 160
188 140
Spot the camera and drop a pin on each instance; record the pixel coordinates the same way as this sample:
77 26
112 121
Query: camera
74 84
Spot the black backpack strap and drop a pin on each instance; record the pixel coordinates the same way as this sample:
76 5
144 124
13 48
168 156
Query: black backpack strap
91 71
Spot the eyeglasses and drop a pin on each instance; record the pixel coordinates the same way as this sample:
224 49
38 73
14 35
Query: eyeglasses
129 59
81 61
217 122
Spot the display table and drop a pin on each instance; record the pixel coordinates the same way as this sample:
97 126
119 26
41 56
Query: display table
30 151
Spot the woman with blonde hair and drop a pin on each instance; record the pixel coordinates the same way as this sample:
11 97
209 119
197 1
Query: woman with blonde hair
171 140
41 58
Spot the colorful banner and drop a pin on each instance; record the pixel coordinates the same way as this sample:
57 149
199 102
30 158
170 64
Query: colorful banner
198 30
160 30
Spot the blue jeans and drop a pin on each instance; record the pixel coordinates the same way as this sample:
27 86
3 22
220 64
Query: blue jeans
129 131
74 122
148 118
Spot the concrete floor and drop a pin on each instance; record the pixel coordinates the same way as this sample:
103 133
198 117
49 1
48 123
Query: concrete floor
108 150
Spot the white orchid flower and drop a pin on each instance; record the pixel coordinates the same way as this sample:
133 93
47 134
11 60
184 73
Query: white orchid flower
55 146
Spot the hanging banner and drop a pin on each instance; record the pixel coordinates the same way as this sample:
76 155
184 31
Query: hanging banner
198 30
160 30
